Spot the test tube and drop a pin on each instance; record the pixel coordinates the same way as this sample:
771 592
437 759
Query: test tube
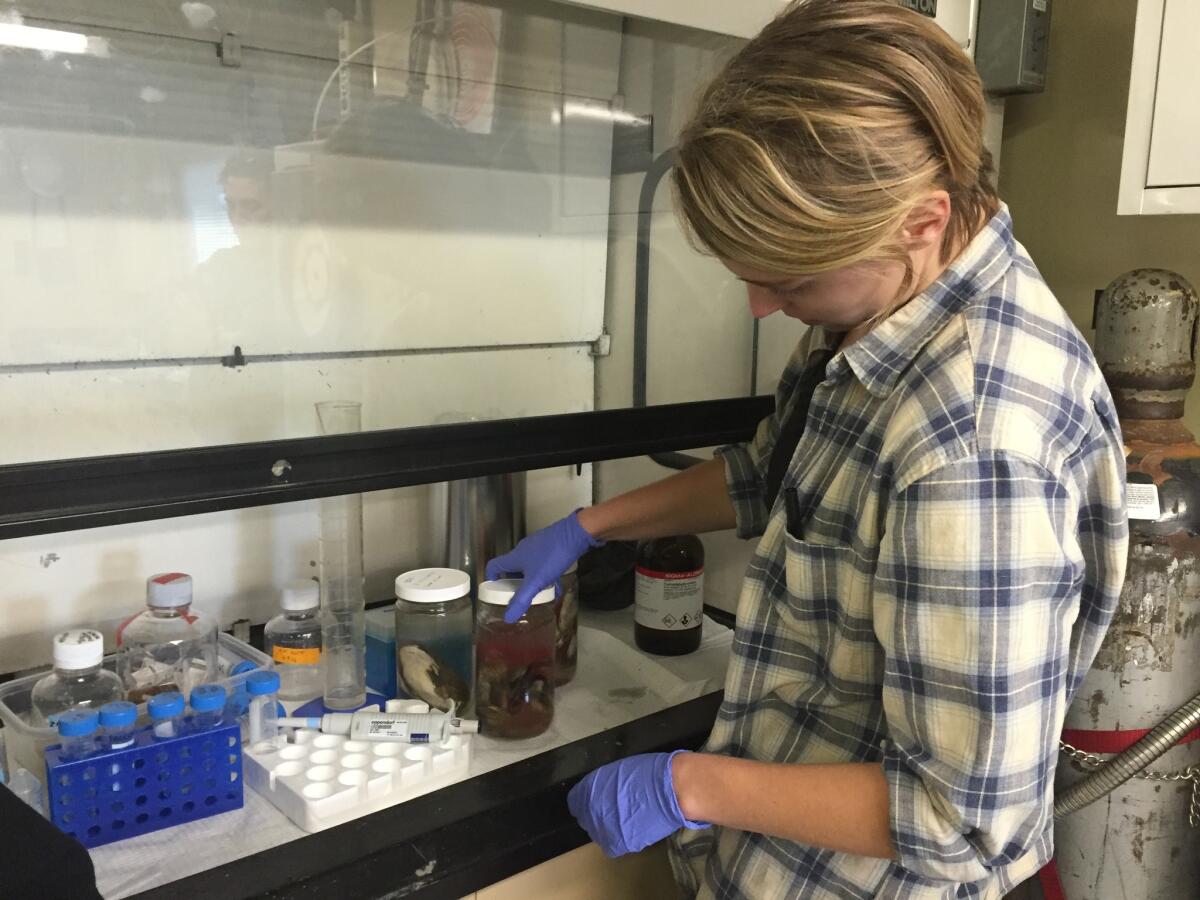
117 719
166 710
208 706
79 730
262 717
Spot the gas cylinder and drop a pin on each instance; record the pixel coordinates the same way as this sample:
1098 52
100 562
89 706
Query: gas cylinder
1136 843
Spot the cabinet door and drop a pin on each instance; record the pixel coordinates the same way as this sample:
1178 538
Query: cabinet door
1174 160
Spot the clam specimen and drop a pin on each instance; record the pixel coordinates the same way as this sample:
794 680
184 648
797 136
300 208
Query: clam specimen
424 677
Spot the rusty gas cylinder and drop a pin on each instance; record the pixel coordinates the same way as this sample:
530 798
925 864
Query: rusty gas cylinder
1139 842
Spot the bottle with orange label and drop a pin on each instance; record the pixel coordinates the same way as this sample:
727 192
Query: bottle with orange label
293 638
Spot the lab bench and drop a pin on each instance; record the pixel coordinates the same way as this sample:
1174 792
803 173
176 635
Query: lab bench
509 815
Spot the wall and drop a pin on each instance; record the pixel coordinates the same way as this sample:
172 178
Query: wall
1062 155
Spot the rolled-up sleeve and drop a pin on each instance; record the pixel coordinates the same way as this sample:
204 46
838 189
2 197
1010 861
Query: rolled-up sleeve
977 587
746 464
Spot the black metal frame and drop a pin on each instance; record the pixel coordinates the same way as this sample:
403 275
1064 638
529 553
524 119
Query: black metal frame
68 495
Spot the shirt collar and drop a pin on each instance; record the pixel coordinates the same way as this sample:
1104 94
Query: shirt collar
878 358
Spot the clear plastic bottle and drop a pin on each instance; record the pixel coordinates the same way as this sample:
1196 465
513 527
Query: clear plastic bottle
166 712
79 733
208 706
293 639
168 646
118 720
78 679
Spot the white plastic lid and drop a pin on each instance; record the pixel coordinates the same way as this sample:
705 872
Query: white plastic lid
79 648
169 589
302 594
501 592
432 585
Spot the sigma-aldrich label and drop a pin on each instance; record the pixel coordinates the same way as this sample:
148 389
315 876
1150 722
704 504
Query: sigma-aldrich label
668 601
924 7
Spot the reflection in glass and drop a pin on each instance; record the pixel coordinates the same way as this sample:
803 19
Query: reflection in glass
418 203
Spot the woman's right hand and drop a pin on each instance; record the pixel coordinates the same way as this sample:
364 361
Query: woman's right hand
541 559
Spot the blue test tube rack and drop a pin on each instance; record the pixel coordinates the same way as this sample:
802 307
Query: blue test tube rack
150 785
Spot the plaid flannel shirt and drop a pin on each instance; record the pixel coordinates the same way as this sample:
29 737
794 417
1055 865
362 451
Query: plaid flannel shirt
959 556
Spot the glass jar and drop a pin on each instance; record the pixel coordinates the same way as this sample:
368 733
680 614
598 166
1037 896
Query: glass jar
514 664
434 638
566 615
669 610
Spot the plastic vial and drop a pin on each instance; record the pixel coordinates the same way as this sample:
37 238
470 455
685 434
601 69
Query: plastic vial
118 719
669 611
293 639
208 706
514 664
79 731
78 679
166 712
262 718
169 646
435 637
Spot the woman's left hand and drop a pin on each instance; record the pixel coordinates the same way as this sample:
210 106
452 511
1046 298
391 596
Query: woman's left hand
630 804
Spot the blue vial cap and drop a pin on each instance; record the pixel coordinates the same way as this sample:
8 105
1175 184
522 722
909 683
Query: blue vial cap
208 698
164 706
118 714
78 722
244 666
264 682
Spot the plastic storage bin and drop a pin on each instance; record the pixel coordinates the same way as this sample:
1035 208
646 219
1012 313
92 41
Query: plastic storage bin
24 743
381 651
153 784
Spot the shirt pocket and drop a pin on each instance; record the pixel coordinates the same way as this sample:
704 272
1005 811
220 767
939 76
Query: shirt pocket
827 608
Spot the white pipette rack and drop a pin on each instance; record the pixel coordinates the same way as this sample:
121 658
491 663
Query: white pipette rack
322 780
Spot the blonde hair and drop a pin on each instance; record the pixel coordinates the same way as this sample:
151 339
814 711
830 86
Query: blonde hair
818 138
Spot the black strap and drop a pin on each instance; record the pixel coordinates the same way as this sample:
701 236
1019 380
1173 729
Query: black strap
794 422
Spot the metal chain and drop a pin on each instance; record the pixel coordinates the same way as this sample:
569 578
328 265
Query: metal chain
1191 773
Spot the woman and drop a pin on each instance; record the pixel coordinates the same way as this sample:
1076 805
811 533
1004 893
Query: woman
938 497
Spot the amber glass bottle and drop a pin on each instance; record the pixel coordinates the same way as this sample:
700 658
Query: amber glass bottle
669 595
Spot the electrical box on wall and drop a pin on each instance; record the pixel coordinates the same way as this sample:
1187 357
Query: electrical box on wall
1012 44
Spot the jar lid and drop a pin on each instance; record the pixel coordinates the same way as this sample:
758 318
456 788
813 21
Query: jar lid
501 592
118 714
79 648
302 594
164 706
77 722
169 589
264 681
208 698
433 585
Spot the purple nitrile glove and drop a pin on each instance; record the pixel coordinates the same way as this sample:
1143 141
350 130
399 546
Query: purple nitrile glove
541 559
630 804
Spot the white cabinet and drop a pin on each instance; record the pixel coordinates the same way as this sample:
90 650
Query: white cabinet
1160 167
